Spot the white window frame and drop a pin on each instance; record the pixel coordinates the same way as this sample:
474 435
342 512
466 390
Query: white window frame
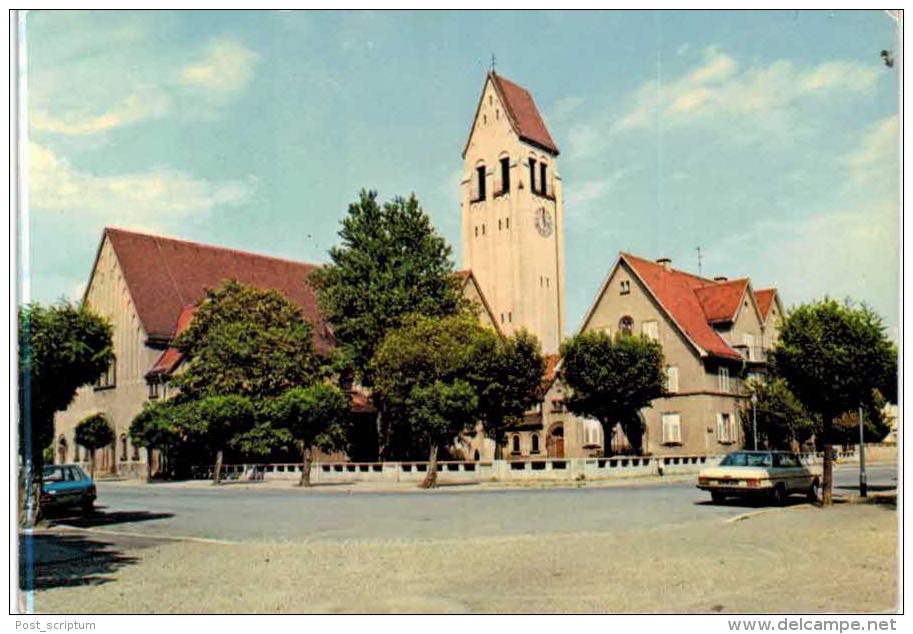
672 428
724 381
650 329
672 379
724 428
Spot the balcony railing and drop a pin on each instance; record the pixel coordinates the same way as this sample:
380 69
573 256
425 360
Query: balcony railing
752 354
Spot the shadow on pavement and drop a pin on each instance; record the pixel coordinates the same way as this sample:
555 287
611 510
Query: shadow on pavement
754 502
100 518
871 487
51 560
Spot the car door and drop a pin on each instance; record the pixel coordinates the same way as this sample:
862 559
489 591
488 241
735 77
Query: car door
791 473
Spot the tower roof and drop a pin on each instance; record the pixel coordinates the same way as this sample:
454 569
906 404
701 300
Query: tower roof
522 113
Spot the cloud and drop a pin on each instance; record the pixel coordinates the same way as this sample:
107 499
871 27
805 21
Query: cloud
146 102
875 161
160 194
226 68
718 89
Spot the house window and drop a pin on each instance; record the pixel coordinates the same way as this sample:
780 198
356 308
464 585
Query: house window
724 431
650 329
625 287
535 443
672 379
515 444
672 429
557 406
480 183
154 388
109 378
723 376
532 175
626 325
543 183
505 175
135 455
123 447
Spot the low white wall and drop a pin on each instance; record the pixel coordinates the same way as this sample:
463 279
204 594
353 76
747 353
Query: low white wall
570 469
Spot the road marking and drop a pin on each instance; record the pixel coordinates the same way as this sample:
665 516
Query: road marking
773 509
176 538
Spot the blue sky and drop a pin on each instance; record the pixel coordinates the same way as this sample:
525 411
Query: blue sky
769 139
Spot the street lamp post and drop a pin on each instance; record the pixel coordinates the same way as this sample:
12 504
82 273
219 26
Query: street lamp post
754 419
863 484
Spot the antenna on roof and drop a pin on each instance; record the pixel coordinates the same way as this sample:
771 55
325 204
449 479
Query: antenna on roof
699 261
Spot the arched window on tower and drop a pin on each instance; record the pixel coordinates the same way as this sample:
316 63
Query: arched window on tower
532 174
543 178
478 189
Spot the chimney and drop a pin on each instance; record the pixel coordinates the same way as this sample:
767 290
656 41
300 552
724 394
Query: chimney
721 278
666 263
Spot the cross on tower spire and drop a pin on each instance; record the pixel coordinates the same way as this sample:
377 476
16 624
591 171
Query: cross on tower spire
493 62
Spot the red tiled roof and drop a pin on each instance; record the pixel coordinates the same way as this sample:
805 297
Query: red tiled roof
677 292
171 357
165 275
523 114
721 300
550 373
765 299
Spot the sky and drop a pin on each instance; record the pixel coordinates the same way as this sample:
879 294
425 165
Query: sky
767 139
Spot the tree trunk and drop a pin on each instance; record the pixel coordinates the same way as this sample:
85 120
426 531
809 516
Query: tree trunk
430 480
827 478
217 469
381 436
305 480
148 464
92 463
30 510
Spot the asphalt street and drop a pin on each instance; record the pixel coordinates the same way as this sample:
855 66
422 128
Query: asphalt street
246 513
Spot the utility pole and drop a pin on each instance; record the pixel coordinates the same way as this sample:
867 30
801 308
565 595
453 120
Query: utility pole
863 485
754 419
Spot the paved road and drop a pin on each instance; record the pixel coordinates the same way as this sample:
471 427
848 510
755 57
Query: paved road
247 513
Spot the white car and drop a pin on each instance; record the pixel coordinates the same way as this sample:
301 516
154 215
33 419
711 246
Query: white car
773 475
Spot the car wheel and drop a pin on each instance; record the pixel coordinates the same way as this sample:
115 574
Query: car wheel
717 497
812 493
777 495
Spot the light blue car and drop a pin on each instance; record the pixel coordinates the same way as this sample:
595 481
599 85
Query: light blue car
66 486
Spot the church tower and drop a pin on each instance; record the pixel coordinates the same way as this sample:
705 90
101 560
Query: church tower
512 213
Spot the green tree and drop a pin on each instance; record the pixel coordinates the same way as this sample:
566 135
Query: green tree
391 263
314 416
783 422
833 357
612 379
245 341
94 432
422 371
61 348
154 428
218 421
507 373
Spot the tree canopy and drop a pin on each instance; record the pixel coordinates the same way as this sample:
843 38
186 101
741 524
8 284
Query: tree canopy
782 421
834 356
612 378
423 372
314 416
217 421
155 427
61 348
94 432
507 373
391 263
245 341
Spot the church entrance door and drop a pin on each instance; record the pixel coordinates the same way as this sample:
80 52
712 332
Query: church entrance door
555 442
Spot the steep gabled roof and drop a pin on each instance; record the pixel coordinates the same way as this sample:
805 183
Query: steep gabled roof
467 277
165 275
522 113
721 300
765 299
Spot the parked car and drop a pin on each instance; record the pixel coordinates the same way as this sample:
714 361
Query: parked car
773 475
66 486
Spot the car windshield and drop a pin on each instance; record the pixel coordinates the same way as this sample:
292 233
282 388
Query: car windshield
53 474
746 459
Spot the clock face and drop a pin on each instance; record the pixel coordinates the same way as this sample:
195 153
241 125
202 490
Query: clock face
544 222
